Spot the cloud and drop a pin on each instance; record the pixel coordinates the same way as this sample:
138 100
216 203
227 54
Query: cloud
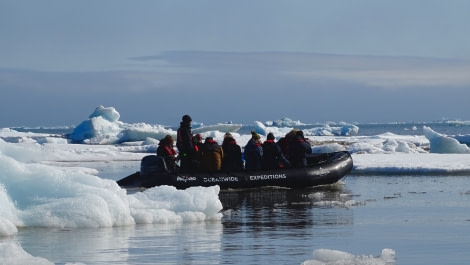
382 72
243 87
389 74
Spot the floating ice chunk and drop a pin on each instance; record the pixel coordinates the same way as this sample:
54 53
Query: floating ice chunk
223 127
7 228
443 144
388 255
328 255
12 254
166 204
97 130
285 122
335 257
350 203
110 114
327 130
328 148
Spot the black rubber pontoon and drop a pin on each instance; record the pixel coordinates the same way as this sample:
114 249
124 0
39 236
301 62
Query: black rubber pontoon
322 169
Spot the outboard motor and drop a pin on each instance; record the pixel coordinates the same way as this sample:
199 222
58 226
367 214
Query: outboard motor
152 165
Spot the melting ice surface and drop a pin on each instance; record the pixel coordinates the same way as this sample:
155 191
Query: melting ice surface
39 189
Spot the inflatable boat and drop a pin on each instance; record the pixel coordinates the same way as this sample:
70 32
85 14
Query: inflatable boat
322 169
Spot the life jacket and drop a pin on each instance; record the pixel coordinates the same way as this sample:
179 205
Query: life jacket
170 151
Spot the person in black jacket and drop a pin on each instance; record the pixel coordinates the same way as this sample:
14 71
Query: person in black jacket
284 142
232 154
298 150
185 145
272 154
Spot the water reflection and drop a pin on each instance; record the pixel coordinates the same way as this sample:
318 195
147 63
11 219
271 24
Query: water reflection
99 246
295 208
259 226
193 243
266 223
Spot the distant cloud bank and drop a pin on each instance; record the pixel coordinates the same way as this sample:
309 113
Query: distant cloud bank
242 87
377 71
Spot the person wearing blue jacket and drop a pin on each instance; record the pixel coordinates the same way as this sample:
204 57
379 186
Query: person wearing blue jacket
253 152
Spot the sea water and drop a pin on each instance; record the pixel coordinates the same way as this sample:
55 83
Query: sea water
424 219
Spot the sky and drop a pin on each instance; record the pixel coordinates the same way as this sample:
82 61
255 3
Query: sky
242 61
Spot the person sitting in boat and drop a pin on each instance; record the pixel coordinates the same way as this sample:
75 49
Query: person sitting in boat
232 154
272 154
198 146
165 149
184 143
212 155
298 149
253 152
284 142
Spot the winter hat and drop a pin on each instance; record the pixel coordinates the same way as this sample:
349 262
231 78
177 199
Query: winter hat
255 136
271 136
187 118
228 135
300 133
209 139
168 140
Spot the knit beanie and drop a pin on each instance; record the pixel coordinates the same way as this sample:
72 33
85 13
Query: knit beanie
186 118
271 136
228 135
255 136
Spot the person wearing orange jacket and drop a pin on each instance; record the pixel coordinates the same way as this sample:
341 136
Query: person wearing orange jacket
212 155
